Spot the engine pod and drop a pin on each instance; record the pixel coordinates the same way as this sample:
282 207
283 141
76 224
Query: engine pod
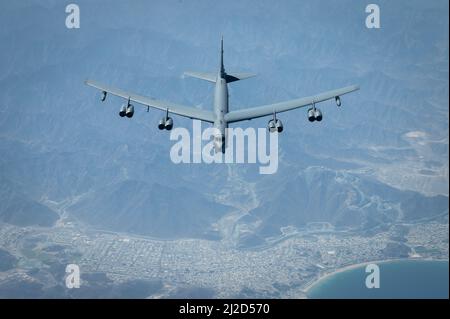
162 124
271 126
169 124
279 126
311 115
130 111
318 115
123 111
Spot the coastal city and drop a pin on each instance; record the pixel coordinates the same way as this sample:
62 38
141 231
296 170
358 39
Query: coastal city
285 268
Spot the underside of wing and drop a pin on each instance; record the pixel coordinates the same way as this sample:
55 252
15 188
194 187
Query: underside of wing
173 108
260 111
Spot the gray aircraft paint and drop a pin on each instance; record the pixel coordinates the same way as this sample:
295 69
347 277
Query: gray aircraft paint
220 104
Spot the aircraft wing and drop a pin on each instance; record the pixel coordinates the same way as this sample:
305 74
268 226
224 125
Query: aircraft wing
260 111
186 111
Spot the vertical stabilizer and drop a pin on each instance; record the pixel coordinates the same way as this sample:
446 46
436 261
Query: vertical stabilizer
228 77
222 68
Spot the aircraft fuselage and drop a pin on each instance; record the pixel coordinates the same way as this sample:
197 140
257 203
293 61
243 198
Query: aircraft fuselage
220 109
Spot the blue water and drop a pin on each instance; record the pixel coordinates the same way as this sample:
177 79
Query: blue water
409 279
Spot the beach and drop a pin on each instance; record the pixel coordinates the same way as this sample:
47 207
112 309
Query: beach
331 273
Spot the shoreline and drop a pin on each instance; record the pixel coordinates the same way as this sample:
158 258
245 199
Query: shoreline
326 275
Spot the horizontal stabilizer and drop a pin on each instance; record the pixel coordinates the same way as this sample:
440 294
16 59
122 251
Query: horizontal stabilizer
233 77
211 77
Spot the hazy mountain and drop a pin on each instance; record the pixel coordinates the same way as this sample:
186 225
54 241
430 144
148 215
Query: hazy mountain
384 154
18 209
7 261
150 209
345 201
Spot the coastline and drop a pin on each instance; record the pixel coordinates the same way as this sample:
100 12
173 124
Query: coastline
326 275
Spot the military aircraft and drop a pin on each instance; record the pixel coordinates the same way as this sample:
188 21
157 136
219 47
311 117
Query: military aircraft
221 116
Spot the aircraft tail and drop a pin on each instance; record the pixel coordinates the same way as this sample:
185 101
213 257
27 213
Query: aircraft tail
212 77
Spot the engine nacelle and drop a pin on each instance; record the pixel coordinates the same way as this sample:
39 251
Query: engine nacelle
338 101
129 111
123 111
311 115
271 126
275 126
318 115
279 125
169 124
162 123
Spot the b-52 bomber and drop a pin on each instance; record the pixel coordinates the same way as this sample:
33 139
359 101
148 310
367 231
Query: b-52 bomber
221 116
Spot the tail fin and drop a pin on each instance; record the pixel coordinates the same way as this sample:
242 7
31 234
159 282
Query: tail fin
222 68
229 77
